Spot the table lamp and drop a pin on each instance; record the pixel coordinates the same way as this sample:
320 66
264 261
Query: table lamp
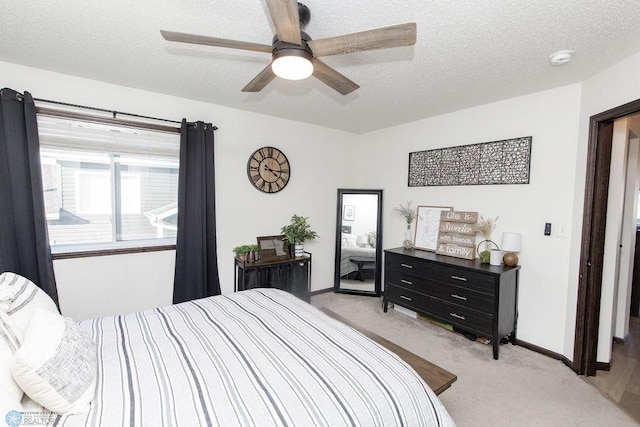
511 243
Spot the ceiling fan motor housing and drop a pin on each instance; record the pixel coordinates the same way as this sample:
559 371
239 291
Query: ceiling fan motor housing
304 15
279 46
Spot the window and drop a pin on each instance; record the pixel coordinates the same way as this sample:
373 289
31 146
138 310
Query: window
107 186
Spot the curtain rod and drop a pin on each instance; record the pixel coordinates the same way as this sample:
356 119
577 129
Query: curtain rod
113 113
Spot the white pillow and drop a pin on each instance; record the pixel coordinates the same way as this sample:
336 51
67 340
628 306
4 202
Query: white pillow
56 365
20 297
351 241
10 391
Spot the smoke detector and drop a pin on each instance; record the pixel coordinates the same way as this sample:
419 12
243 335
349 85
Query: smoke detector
561 57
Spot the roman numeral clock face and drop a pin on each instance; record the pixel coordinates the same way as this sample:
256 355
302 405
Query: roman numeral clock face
268 169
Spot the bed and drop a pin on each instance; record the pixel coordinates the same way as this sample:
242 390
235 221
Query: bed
257 357
349 250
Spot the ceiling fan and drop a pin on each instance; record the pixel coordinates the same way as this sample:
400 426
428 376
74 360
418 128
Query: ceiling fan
295 55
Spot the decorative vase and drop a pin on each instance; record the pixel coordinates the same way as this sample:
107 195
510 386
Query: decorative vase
299 249
251 257
408 238
496 257
485 255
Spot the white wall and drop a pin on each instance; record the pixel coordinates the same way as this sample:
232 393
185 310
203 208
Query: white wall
366 209
613 254
614 86
243 213
551 117
628 240
108 285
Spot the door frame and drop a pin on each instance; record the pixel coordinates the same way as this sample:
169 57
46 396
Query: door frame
593 234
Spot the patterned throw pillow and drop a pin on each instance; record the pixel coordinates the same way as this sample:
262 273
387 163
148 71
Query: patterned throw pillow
10 392
56 365
20 297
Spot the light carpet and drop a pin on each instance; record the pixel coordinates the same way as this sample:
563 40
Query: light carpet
522 388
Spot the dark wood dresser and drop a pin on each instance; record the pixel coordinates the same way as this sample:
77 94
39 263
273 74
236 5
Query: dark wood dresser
473 297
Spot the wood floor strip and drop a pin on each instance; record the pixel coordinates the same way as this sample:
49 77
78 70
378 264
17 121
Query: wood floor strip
437 378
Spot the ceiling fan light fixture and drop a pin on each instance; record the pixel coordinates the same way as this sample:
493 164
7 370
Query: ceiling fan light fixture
292 64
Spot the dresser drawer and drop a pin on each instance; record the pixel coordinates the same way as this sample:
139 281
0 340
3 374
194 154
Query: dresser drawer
407 280
465 318
465 278
408 265
406 297
463 296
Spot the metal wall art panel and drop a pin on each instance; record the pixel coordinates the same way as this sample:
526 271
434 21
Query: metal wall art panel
497 162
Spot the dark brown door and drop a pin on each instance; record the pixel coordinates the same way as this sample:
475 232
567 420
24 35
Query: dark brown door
593 231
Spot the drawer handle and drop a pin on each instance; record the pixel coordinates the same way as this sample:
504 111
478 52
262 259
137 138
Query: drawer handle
457 316
406 282
459 297
406 265
459 278
403 297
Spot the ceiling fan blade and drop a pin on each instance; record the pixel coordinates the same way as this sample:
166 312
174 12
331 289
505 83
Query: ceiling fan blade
214 41
260 81
284 14
379 38
332 78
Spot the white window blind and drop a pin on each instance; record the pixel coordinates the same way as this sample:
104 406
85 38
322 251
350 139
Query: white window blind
67 134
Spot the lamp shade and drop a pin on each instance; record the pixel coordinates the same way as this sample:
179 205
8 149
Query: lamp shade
511 242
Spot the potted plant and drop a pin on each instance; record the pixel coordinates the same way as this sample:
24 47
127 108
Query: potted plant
242 251
296 232
255 249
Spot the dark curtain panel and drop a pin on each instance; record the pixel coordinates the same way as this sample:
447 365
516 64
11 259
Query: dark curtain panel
24 243
196 273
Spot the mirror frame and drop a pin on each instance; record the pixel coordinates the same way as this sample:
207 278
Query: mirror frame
378 270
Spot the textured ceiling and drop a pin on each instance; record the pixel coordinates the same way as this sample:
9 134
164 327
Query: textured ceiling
468 52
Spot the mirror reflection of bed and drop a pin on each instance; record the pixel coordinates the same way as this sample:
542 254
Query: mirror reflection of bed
357 245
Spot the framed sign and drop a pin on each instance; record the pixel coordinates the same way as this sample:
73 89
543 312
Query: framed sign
457 234
428 226
273 247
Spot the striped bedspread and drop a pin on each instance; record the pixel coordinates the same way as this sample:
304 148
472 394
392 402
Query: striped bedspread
259 357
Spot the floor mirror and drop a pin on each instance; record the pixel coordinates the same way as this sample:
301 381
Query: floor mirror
358 263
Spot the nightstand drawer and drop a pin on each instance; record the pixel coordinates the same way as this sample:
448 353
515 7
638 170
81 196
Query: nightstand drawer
465 278
406 297
407 281
463 296
407 265
465 318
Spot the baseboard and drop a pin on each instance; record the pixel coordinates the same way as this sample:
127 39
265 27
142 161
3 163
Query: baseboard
621 340
601 366
541 350
321 291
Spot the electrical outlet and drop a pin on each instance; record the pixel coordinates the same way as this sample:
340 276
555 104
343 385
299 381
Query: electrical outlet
547 229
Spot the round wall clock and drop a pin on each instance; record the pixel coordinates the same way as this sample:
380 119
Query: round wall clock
268 169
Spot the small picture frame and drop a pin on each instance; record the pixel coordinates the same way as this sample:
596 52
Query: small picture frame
272 248
349 213
428 226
